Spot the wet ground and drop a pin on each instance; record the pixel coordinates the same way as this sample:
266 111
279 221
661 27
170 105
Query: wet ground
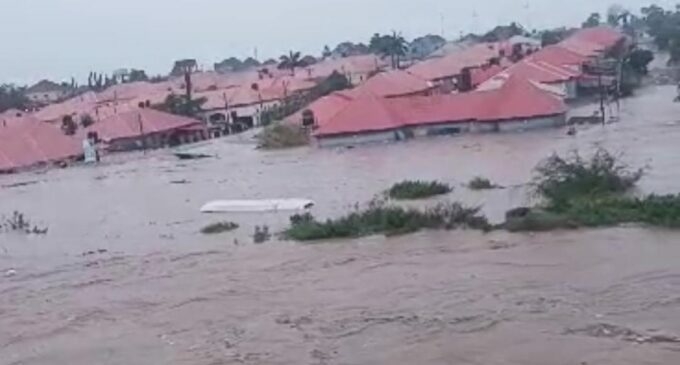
124 277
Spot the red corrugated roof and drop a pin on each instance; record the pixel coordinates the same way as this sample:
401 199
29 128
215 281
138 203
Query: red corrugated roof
604 36
517 98
365 113
514 98
395 83
127 125
32 142
324 109
559 56
481 74
539 71
453 64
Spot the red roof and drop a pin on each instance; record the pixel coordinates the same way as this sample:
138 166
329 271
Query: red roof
324 109
481 74
453 64
514 98
559 56
395 83
517 98
32 142
127 125
604 36
365 113
540 71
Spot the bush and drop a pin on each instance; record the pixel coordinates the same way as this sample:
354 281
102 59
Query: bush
219 227
18 222
537 220
481 183
277 136
591 193
561 181
407 190
383 219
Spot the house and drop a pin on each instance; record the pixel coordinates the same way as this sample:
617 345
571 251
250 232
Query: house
145 128
561 77
31 143
511 103
47 92
396 83
447 71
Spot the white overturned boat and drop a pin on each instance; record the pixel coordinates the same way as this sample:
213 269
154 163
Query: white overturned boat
255 206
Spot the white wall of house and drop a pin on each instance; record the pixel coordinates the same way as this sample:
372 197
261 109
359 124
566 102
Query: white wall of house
46 97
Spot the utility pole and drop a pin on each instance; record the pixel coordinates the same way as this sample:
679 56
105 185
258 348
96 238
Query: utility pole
141 132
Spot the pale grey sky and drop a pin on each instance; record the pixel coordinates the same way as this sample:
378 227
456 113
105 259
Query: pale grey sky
58 39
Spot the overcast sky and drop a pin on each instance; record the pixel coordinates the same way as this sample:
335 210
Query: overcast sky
58 39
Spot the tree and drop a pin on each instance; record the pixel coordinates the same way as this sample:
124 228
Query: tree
347 49
250 62
86 120
393 46
503 32
181 105
291 61
229 65
137 75
554 36
617 15
326 52
421 47
639 60
181 67
593 20
13 97
68 125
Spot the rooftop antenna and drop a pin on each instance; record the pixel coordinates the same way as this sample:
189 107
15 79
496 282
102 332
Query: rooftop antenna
475 19
255 53
441 18
527 21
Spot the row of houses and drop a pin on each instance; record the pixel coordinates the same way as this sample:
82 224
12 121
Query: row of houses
478 88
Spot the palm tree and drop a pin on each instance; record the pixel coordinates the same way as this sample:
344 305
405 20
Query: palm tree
393 46
291 61
398 48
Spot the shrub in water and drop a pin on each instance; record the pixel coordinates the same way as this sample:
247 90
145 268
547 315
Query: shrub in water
277 136
219 227
562 180
384 219
480 183
407 190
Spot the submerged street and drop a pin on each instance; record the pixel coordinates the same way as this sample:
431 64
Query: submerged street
123 275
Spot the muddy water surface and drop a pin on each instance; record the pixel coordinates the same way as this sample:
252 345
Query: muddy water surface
124 277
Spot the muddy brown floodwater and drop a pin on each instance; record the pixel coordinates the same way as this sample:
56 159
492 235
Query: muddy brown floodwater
124 277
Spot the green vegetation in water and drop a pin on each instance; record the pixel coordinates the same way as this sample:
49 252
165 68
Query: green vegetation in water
481 183
219 227
19 223
409 190
278 136
592 193
385 219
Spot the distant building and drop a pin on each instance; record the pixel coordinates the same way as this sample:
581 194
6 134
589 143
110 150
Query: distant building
47 92
29 143
146 128
512 103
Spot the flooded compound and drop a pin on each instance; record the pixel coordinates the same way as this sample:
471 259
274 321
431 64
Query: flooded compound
124 276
